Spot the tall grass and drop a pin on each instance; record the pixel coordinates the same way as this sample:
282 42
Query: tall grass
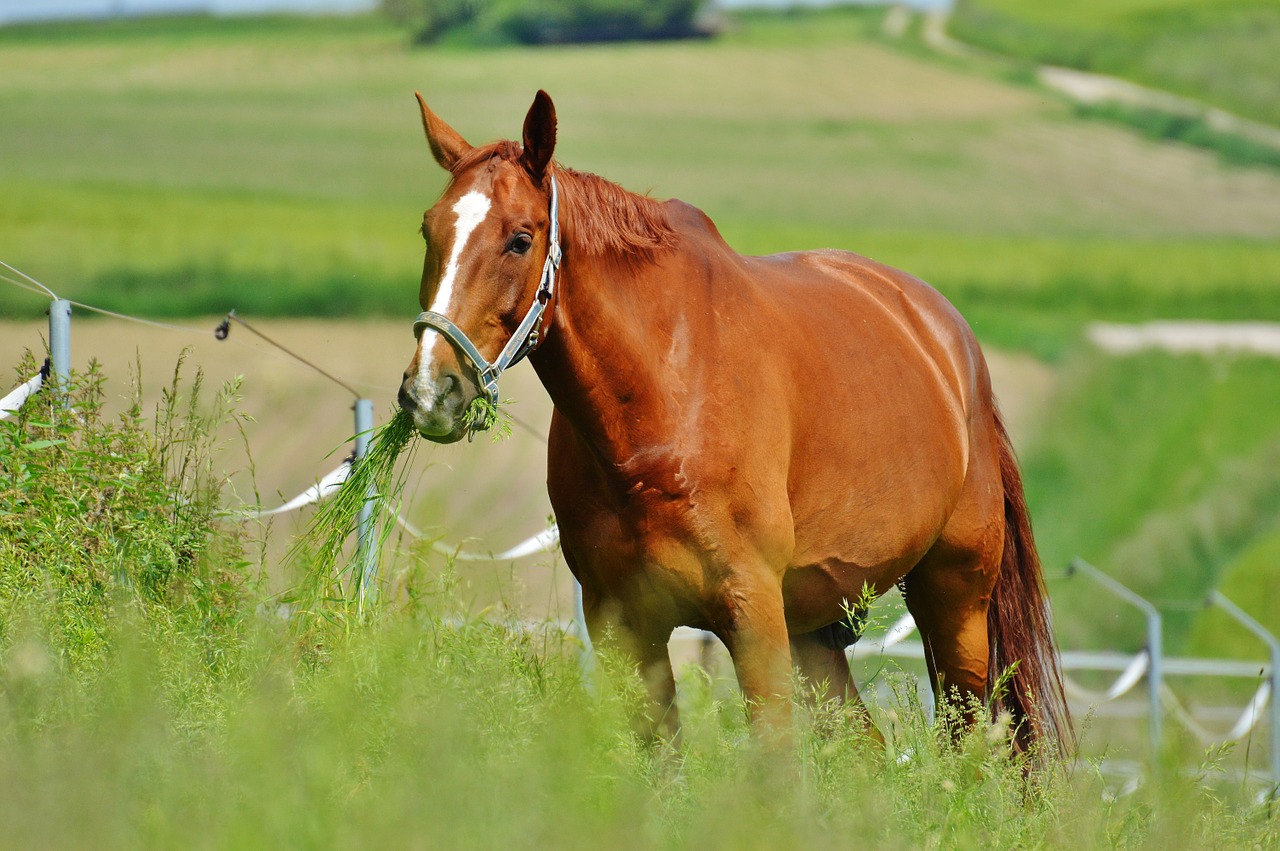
150 696
107 537
372 487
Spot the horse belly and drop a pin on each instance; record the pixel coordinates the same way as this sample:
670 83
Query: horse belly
872 488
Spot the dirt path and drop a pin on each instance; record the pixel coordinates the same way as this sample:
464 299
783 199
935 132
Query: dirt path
1258 338
486 495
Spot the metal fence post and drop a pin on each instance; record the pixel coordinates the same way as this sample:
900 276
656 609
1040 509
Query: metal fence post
366 546
1273 675
60 341
1155 642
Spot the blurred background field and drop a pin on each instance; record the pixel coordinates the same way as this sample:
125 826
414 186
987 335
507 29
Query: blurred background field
1224 52
180 167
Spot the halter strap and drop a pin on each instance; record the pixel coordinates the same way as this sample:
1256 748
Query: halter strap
527 333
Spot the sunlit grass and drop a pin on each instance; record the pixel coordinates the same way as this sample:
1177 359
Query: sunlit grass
152 694
1160 469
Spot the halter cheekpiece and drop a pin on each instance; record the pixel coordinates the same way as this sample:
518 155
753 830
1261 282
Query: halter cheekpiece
526 336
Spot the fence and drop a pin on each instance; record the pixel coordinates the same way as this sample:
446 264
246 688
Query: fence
58 368
1149 665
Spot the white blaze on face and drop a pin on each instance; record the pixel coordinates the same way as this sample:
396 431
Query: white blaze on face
470 210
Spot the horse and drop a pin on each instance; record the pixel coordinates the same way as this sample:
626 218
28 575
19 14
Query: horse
739 444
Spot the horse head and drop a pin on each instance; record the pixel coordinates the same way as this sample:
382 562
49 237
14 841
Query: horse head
491 242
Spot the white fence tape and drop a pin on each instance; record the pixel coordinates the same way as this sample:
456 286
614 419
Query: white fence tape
543 542
315 493
1124 683
904 626
1247 721
15 400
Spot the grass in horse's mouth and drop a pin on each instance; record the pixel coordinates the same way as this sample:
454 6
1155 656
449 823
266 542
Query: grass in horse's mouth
483 415
373 479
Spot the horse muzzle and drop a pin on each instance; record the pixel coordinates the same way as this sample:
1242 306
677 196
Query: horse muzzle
439 409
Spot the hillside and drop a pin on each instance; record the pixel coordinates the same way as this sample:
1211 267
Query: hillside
1224 52
187 166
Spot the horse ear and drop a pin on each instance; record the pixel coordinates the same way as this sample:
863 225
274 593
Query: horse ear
447 145
539 136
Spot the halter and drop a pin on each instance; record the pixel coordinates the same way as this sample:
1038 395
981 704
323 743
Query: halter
526 336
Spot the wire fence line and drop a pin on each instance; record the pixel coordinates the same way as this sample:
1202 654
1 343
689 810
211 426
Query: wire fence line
1148 665
326 485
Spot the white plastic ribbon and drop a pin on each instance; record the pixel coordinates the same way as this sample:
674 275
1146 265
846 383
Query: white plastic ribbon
1247 721
15 400
895 634
315 493
543 542
1128 678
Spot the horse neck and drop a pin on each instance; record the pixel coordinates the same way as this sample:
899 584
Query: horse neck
603 359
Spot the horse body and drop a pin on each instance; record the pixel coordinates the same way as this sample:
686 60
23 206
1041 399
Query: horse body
743 444
765 434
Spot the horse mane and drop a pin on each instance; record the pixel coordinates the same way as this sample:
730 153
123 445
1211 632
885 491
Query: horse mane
599 216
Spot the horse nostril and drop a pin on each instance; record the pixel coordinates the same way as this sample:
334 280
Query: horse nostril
453 386
407 402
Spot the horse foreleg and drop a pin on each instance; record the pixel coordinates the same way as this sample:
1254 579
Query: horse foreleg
755 631
663 718
609 628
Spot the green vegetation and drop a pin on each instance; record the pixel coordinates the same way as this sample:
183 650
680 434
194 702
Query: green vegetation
194 712
107 536
1249 581
373 482
1224 52
544 21
1190 129
277 166
1160 470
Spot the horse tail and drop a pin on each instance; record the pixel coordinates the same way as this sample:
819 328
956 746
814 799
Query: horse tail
1020 626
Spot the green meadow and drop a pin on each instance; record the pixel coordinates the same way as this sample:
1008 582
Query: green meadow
1223 52
184 167
190 166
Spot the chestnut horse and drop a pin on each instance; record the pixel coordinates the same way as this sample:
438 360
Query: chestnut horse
739 444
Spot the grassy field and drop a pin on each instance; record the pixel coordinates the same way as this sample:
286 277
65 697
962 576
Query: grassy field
184 167
190 166
1223 52
154 696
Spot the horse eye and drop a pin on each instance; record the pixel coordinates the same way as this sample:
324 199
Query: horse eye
520 243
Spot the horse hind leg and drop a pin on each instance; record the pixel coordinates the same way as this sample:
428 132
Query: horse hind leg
948 594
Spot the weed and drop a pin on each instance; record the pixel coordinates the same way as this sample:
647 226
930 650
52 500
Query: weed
370 490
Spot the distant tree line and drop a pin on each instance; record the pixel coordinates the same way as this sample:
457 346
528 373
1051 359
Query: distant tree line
549 21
